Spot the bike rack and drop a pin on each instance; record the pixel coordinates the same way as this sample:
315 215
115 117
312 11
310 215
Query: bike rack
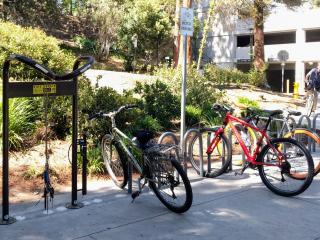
315 130
309 127
66 85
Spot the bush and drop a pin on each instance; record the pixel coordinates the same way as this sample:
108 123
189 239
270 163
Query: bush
33 43
201 93
21 122
193 115
159 102
223 76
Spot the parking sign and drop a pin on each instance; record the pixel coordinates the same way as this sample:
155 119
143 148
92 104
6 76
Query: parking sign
186 21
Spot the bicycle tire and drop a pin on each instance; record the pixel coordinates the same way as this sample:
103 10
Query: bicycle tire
216 168
302 135
309 104
165 175
115 161
287 169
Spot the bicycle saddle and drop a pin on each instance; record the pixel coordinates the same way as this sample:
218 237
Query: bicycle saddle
273 112
294 113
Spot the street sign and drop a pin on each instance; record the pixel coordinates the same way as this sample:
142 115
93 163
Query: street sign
283 56
186 21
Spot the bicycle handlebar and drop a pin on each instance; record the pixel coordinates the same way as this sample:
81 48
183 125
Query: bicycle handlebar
49 73
112 114
218 107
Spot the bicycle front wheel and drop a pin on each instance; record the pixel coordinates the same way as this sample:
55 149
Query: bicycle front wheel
308 139
114 161
219 159
284 176
168 180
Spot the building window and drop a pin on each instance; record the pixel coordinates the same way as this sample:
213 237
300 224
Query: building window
313 35
243 41
279 38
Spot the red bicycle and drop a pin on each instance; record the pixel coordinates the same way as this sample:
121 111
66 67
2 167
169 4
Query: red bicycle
285 166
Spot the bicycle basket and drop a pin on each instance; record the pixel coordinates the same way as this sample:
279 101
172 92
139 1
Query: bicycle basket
158 158
161 152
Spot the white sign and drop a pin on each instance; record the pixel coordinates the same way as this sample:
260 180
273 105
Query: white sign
186 21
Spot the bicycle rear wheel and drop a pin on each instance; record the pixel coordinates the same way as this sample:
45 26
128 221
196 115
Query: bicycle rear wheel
285 179
307 139
219 159
167 179
114 161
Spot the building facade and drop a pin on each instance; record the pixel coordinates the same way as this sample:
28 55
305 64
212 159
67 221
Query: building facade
294 32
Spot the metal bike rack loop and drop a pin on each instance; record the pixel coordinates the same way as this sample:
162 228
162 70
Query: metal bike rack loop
314 128
60 85
309 127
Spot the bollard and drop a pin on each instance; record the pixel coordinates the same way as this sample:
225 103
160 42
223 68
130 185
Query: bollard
296 90
288 86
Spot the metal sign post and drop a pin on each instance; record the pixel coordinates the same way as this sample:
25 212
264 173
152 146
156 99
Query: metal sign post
283 56
282 75
186 29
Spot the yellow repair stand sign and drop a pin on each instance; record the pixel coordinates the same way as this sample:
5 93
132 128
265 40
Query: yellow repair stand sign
44 89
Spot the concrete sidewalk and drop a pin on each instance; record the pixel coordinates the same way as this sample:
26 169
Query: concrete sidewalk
229 207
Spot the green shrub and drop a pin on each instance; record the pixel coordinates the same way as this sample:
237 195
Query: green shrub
145 122
193 115
95 161
200 92
86 44
21 122
33 43
226 76
159 102
248 102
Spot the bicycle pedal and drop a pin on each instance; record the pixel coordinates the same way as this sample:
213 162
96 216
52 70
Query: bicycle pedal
134 195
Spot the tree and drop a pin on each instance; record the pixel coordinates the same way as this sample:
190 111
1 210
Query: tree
151 25
221 9
258 10
106 16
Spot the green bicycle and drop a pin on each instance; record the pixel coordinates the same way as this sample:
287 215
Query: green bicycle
156 164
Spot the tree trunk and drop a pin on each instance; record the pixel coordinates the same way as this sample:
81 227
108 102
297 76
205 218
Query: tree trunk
176 46
258 60
188 4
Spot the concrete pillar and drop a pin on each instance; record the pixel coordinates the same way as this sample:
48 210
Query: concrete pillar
300 66
299 76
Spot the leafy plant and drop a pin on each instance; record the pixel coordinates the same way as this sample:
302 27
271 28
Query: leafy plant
95 163
35 44
159 102
248 102
21 124
193 115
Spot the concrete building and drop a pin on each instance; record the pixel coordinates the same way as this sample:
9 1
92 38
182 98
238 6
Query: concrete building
297 32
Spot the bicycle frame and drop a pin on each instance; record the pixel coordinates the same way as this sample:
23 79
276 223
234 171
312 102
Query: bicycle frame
229 119
120 136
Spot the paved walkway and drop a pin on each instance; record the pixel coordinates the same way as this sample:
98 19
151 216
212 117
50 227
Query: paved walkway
117 80
229 207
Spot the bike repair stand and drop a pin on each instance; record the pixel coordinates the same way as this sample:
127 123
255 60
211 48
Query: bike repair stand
66 86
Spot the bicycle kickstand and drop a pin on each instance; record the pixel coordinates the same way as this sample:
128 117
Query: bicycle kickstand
136 194
246 165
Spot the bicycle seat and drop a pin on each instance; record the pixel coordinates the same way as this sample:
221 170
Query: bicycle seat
144 136
273 112
294 113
